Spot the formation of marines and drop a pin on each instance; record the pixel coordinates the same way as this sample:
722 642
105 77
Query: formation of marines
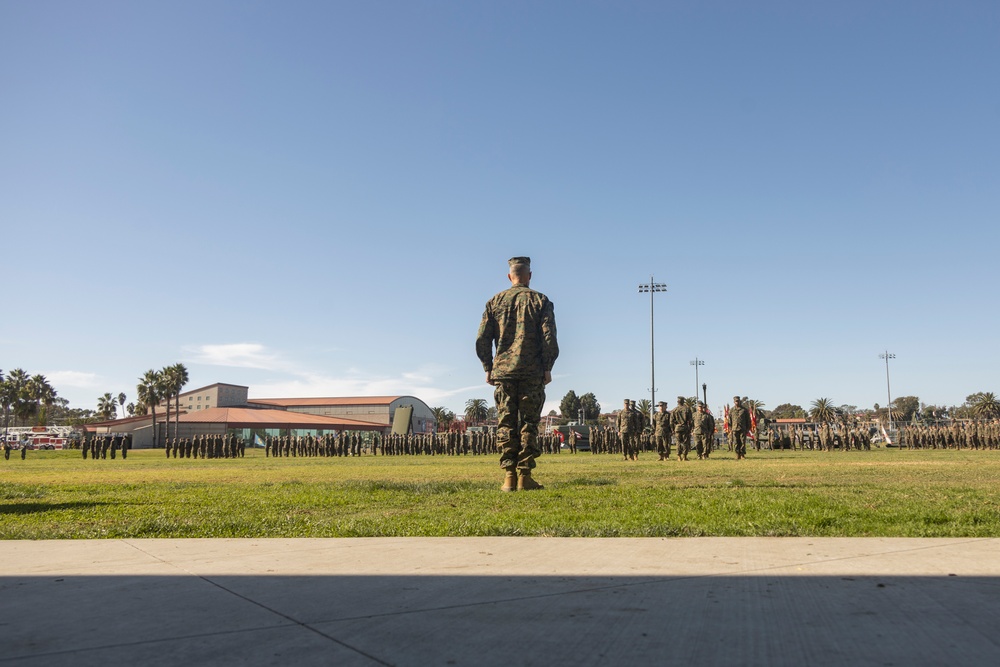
681 430
206 446
635 432
99 446
976 434
445 443
825 438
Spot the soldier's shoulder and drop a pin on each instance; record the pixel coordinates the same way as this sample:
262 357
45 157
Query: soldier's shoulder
529 293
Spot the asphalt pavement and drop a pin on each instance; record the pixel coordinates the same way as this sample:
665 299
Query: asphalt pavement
501 601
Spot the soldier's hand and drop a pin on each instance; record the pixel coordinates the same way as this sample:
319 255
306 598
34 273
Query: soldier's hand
548 377
489 378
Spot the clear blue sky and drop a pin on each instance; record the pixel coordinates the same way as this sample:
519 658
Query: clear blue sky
318 198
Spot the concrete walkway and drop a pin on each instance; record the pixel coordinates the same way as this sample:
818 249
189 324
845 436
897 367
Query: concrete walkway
501 601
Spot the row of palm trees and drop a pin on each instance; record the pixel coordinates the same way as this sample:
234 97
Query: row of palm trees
25 396
156 386
983 405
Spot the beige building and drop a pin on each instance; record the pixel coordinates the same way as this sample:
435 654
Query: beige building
377 409
218 395
222 407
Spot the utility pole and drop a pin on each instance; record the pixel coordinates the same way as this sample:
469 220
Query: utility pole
652 288
887 356
697 362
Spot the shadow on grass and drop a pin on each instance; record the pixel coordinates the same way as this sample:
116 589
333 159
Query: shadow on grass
39 508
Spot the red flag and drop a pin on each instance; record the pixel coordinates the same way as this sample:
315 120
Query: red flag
725 421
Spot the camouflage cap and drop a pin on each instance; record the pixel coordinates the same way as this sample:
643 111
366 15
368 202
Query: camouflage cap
518 261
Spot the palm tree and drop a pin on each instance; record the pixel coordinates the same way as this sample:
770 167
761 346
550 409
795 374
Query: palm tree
107 407
42 395
166 391
130 409
121 401
7 398
179 378
822 410
986 406
644 406
755 407
17 385
443 417
149 390
475 410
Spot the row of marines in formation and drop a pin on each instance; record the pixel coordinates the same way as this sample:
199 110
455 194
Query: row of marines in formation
376 444
606 440
206 446
101 445
976 434
687 430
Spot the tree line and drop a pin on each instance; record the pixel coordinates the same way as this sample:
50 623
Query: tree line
25 397
980 405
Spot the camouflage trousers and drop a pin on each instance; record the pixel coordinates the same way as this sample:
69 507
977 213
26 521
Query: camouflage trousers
662 444
703 443
739 442
519 409
683 440
630 444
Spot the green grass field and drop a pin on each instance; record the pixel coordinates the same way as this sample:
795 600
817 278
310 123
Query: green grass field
878 493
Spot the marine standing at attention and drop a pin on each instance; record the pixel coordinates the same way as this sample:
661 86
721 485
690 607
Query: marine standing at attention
521 324
739 426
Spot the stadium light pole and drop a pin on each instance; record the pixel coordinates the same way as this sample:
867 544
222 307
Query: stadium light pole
697 362
887 356
652 288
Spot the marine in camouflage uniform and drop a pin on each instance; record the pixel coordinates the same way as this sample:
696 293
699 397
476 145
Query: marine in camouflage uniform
638 424
738 422
661 431
704 431
626 429
682 422
521 324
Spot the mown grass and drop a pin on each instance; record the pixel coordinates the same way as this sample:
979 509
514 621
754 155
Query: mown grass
878 493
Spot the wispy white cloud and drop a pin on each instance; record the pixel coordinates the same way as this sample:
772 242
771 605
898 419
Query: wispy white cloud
73 379
297 380
324 385
236 355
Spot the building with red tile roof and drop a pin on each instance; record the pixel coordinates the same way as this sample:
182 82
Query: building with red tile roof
222 408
